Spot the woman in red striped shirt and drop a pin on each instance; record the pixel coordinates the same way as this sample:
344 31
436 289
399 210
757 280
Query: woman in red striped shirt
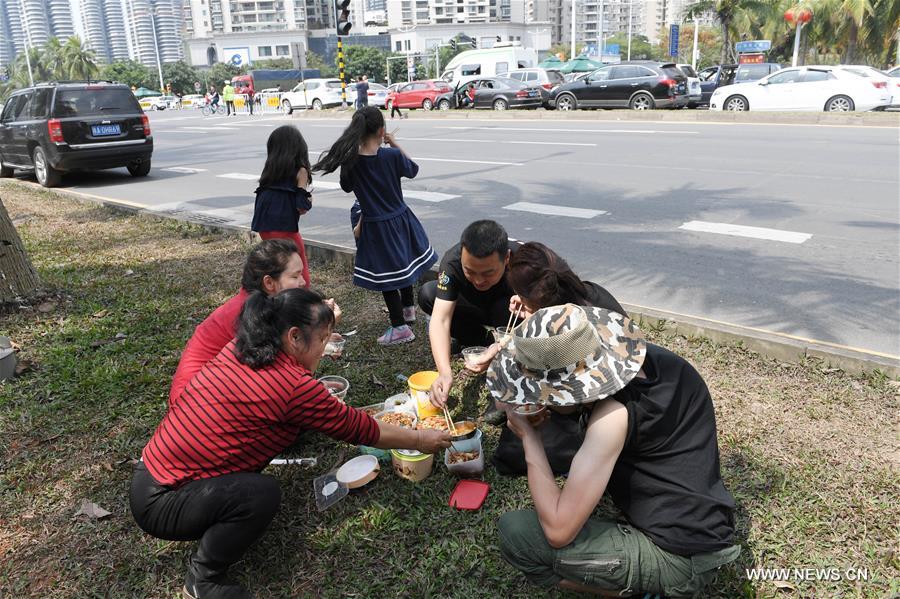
200 475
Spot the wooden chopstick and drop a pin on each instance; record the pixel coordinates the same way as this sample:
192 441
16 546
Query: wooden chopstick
449 420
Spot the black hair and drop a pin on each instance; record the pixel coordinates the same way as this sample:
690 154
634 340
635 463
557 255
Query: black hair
539 275
485 237
264 320
366 122
286 153
267 258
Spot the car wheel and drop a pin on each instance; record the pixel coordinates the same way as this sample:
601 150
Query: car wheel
286 104
46 175
500 104
427 104
839 104
641 102
736 103
317 104
139 168
566 102
444 104
5 171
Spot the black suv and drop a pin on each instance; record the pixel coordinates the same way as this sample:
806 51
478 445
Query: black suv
640 85
53 128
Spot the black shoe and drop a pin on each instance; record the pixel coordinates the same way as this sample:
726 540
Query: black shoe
203 583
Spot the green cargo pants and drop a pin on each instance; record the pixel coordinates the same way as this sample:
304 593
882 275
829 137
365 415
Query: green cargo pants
608 555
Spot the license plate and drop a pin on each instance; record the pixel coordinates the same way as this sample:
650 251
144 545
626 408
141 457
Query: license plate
532 94
105 130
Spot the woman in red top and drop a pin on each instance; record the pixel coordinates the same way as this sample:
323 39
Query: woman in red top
271 266
200 477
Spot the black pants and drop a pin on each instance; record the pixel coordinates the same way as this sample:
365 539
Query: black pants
469 321
229 105
395 109
250 102
396 301
226 513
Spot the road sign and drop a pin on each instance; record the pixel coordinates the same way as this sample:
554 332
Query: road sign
196 86
753 46
673 40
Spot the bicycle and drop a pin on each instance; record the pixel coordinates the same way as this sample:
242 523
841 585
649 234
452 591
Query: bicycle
208 110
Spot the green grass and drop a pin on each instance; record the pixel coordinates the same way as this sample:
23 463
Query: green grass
809 453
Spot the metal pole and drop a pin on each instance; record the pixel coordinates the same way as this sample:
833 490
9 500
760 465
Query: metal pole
341 69
601 43
27 36
437 62
630 4
796 44
572 51
162 87
898 45
387 67
696 34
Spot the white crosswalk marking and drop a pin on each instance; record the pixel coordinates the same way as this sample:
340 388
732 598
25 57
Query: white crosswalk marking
184 169
428 196
744 231
551 210
242 176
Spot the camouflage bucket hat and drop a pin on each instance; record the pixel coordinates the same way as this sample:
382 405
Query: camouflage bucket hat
567 355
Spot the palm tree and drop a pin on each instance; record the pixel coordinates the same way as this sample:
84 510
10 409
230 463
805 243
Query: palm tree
53 58
727 12
80 62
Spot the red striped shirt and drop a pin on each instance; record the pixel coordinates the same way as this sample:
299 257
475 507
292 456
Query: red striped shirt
231 418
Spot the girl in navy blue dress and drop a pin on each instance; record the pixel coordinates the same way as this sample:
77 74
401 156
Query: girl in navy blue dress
281 198
392 248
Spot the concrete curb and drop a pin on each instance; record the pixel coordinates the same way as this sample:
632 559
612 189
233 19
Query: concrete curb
778 346
865 119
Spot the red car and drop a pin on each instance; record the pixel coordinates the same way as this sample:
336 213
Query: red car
417 94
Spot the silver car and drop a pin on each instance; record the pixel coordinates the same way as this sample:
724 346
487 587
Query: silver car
695 94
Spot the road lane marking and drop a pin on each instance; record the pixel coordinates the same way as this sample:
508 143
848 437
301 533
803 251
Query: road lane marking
428 196
184 169
544 129
504 141
320 184
743 231
551 210
242 176
215 128
468 161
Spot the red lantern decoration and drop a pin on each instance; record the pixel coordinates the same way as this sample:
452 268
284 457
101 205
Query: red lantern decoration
796 16
804 15
789 15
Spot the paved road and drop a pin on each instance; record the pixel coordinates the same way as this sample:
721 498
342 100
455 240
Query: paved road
794 229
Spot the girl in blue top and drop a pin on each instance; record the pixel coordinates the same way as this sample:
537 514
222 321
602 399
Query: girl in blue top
281 198
392 248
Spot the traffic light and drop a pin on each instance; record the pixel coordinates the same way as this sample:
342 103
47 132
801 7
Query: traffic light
342 14
453 44
474 43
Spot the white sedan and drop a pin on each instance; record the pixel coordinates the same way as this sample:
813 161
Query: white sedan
878 79
810 88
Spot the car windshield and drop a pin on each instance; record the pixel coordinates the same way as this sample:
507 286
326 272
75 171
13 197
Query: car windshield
334 85
94 102
751 72
689 71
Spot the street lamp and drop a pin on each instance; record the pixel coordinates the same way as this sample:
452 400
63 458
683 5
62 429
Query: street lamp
153 12
798 17
27 35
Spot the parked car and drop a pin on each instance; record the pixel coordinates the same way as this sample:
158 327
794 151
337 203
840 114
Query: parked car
546 78
499 59
378 95
715 77
638 85
417 94
895 72
162 102
499 93
316 94
827 88
695 93
193 101
54 128
878 79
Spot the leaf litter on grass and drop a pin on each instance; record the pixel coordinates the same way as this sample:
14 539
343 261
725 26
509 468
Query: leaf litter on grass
809 453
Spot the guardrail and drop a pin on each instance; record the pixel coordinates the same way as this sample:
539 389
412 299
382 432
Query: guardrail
267 102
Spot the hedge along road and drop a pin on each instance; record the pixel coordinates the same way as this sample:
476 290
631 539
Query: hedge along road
788 228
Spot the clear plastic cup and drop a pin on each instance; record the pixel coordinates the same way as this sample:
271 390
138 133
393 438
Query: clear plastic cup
336 385
473 355
335 347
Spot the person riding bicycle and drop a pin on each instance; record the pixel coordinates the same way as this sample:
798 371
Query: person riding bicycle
212 98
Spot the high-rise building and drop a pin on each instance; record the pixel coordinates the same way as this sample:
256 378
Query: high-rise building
407 13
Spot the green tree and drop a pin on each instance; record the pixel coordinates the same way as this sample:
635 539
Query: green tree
219 73
181 76
281 63
727 11
131 73
53 56
709 45
79 62
641 48
561 51
314 61
364 60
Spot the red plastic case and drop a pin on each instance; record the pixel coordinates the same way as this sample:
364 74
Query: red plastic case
469 494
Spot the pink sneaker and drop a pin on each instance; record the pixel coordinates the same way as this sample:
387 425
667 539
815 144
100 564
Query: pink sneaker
409 314
397 335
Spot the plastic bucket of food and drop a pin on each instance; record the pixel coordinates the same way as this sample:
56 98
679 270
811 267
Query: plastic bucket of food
420 389
411 464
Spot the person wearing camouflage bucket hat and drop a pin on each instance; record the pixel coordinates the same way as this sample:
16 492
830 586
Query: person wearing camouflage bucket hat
567 355
649 441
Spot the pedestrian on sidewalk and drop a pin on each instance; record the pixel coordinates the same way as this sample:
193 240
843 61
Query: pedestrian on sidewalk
228 96
250 98
282 198
392 247
362 92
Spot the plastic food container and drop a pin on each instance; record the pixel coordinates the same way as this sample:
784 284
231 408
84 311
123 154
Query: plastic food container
336 385
468 468
358 471
466 429
420 389
473 355
389 415
411 464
